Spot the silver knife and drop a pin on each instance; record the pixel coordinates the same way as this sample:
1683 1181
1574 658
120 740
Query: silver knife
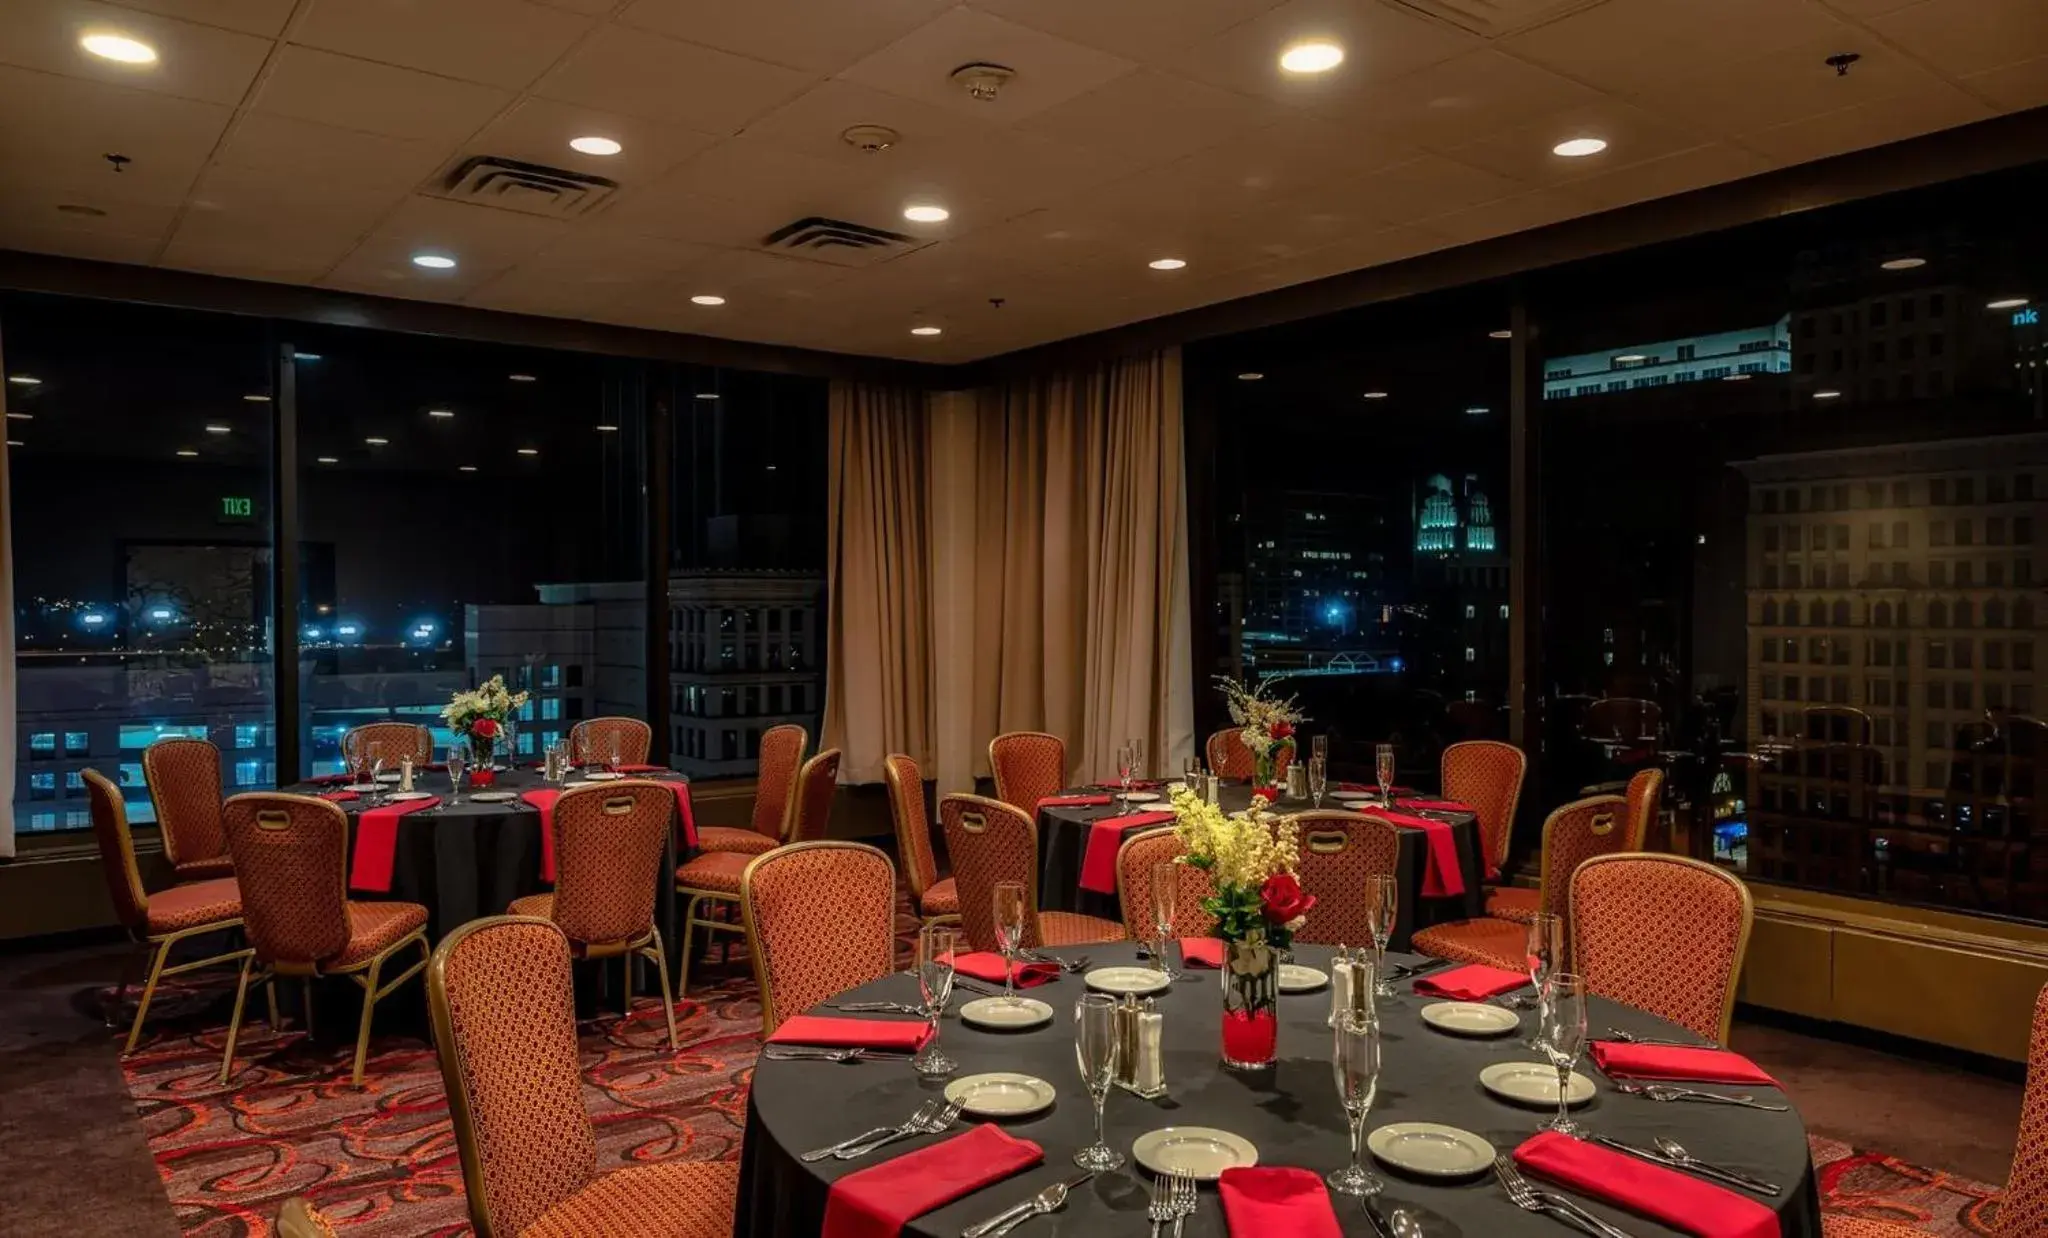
1045 1201
1726 1176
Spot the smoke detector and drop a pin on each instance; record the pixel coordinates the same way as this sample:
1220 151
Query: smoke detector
873 139
981 80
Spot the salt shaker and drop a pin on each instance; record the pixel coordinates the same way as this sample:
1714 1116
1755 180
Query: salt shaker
405 773
1297 781
1127 1042
1151 1073
1343 979
1214 790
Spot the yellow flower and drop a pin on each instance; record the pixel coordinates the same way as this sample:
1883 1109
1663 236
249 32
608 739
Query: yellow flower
1238 849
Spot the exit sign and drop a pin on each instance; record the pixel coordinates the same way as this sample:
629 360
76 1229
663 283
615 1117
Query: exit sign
236 508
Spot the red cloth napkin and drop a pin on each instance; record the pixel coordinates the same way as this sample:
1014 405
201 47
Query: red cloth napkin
1098 863
877 1202
988 965
1474 982
1431 805
1201 951
1677 1199
1074 801
904 1035
544 800
1678 1065
377 844
1272 1199
338 797
1442 875
640 769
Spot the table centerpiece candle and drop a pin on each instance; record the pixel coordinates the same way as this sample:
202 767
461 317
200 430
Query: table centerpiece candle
482 717
1266 726
1258 904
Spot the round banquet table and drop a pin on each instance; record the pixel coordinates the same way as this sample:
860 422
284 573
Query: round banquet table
1063 842
1290 1113
466 860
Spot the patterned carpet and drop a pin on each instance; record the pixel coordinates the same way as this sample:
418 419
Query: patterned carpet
1884 1188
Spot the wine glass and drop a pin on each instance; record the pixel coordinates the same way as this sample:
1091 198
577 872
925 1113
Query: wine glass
1319 749
1382 910
1009 913
458 763
376 778
1318 776
1165 892
936 946
1542 956
615 760
1383 768
1355 1065
1563 1039
1126 761
1095 1051
1191 773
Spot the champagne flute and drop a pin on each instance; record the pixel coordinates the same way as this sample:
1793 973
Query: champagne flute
1095 1051
1319 748
1383 911
936 947
1318 775
458 762
1165 893
1383 767
1542 956
1355 1065
376 779
1126 758
1191 773
616 761
1009 913
1563 1039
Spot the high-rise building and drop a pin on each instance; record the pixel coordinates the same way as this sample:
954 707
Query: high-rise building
1719 355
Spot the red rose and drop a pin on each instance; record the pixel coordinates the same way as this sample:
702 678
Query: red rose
1281 730
484 728
1281 899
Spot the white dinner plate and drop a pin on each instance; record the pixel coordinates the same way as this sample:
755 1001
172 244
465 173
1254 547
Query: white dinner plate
390 777
603 775
1533 1083
1140 980
1471 1018
1000 1095
1296 978
411 795
1140 797
1352 797
1005 1015
360 787
494 797
1199 1152
1431 1150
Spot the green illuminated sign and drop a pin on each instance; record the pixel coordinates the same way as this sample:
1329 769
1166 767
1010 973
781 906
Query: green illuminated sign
237 507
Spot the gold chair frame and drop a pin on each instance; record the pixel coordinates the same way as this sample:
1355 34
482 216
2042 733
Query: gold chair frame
648 945
911 877
769 1019
692 921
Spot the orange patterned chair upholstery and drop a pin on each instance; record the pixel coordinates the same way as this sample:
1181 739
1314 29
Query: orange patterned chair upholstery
810 808
393 740
291 858
935 899
1662 933
782 752
822 918
299 1219
1572 835
156 922
992 841
183 776
610 840
1858 1227
597 741
1229 758
1339 851
1520 903
1027 766
1134 862
1487 775
505 1033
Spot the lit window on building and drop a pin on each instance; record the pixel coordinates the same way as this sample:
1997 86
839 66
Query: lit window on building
77 743
43 744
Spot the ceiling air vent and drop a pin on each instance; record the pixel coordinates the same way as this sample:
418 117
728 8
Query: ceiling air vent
531 188
836 240
1493 18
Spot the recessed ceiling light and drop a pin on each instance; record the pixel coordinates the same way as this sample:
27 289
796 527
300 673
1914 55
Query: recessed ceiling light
1502 334
1579 148
440 412
376 442
1167 264
2006 303
1827 394
15 442
1735 378
218 429
705 298
521 378
465 468
607 429
594 145
1375 395
1902 264
119 47
1250 376
1477 410
1631 357
529 451
187 451
1312 56
23 380
707 395
305 356
433 262
21 416
328 459
926 213
257 398
926 330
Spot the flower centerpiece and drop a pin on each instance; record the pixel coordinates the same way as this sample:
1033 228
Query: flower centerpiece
1266 724
1259 905
480 716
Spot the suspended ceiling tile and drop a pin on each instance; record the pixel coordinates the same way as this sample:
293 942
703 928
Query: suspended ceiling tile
1459 100
1525 152
505 43
801 34
484 242
1429 184
641 74
1141 30
308 84
193 61
245 244
812 124
1520 213
134 248
1049 70
1774 88
744 169
985 179
2014 87
1150 118
591 8
1285 161
539 131
1709 164
263 17
675 207
1380 42
254 194
1890 119
1961 37
300 154
77 124
1629 46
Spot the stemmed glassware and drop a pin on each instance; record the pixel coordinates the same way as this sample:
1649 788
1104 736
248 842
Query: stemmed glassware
1126 768
1165 892
1095 1050
375 755
1318 776
936 947
612 764
1382 910
1563 1039
1009 913
1191 773
1383 769
1543 955
1355 1065
1319 749
458 763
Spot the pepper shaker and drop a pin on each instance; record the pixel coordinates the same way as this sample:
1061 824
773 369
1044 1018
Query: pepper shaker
405 773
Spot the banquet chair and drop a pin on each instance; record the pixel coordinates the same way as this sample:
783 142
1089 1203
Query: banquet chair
1134 863
399 739
183 777
1027 767
291 857
300 1219
1572 835
1339 851
505 1033
782 751
1521 903
595 741
159 921
1662 933
610 840
810 808
822 918
936 900
992 841
1486 775
1229 758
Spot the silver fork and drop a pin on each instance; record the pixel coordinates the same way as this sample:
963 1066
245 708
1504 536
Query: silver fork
819 1154
1528 1199
1066 965
1160 1211
931 1124
798 1053
1183 1201
1630 1038
1667 1094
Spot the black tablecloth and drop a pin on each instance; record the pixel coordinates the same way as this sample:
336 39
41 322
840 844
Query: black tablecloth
1063 841
1290 1113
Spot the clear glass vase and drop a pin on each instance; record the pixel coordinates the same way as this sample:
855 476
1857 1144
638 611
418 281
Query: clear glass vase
482 773
1251 1004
